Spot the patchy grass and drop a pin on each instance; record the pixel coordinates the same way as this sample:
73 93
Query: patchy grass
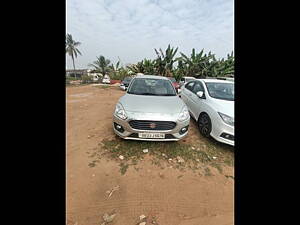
123 168
207 172
179 176
194 156
92 164
217 166
229 177
134 150
104 86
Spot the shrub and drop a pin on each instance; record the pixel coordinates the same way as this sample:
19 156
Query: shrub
87 79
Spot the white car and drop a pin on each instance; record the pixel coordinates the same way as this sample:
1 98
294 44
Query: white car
211 104
106 80
184 80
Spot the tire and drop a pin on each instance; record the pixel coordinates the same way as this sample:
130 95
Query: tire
204 124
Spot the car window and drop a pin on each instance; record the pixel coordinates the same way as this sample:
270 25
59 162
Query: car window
127 79
188 79
151 86
224 91
189 85
198 87
172 79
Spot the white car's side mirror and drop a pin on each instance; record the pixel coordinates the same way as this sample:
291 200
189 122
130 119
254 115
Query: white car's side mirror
200 94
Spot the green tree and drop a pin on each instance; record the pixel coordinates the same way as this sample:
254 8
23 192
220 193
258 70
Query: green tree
198 64
101 65
165 61
71 48
146 66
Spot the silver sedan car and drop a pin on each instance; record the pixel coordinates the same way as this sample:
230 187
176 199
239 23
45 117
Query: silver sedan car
151 111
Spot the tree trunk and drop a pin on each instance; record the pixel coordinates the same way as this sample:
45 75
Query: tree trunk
74 65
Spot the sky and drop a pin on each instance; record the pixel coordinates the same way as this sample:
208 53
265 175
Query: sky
129 30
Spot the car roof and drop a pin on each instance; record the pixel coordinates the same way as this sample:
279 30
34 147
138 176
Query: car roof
152 77
215 81
189 77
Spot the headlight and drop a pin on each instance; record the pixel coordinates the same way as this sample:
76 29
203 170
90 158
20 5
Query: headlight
120 112
227 119
184 115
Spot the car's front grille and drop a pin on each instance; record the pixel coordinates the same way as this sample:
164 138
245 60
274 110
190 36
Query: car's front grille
167 136
152 125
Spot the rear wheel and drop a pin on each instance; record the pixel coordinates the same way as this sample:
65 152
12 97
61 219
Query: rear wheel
204 124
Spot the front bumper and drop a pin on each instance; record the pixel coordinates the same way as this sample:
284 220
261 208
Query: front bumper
123 87
106 81
219 128
132 134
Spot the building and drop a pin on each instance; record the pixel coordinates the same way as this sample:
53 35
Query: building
76 73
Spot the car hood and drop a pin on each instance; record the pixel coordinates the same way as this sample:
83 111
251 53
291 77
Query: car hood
224 106
152 104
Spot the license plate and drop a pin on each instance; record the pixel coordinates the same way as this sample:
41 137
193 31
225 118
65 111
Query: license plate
151 135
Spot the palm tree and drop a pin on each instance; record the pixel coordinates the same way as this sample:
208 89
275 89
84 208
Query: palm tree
71 48
101 65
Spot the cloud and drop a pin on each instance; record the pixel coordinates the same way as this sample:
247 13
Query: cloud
131 29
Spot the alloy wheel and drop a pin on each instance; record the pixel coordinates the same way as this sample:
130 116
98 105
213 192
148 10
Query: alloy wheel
204 124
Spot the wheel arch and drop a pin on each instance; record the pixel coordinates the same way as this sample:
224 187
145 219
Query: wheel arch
202 113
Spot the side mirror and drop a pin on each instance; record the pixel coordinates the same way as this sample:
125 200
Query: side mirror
179 90
200 94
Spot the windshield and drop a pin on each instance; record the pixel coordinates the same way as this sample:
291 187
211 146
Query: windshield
127 79
224 91
172 79
151 86
188 79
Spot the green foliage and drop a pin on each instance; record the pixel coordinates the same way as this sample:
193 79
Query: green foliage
71 48
86 79
101 65
199 65
120 74
165 61
146 66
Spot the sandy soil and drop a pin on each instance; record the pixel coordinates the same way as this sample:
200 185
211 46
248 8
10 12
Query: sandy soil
192 199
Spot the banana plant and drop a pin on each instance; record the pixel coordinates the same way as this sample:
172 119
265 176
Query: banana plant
165 61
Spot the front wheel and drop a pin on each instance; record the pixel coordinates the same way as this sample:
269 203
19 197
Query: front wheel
204 124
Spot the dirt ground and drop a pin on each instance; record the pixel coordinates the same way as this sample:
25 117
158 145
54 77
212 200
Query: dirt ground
173 197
